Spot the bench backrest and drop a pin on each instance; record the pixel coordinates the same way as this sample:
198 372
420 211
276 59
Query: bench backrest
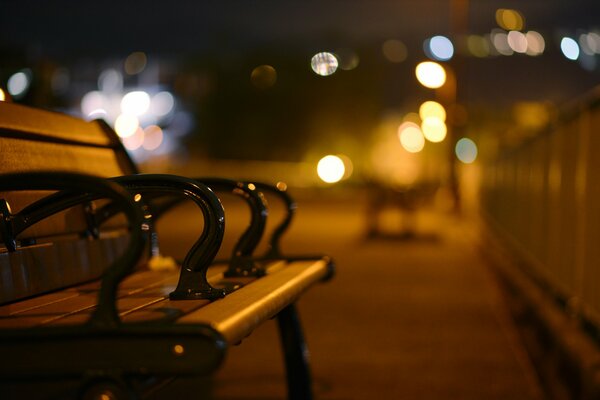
36 140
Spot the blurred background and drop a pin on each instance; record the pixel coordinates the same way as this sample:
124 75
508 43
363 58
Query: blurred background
415 135
291 82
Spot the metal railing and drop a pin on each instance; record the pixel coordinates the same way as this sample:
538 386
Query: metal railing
543 196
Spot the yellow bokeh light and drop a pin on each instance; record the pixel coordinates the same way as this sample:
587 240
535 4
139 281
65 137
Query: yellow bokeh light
432 109
263 76
434 129
411 137
431 74
331 169
126 125
412 117
135 63
511 20
394 50
2 95
478 46
178 349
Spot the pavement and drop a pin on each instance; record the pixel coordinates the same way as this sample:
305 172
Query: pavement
406 317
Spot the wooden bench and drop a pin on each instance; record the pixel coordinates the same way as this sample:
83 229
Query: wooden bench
79 294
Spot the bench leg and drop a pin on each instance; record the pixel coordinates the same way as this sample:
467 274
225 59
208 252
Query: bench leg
295 354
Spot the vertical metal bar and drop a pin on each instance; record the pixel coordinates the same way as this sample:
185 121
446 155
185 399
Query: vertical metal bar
581 203
295 354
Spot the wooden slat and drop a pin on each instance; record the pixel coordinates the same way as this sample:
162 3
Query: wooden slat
46 267
21 155
73 305
51 125
238 314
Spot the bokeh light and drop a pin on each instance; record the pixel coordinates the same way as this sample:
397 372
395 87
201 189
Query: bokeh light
590 41
135 103
500 42
97 113
92 101
2 95
412 117
162 103
153 137
517 41
466 150
394 50
432 109
411 137
478 46
535 43
263 76
324 64
60 81
18 84
126 125
434 129
347 59
430 74
110 81
569 48
135 63
511 20
134 141
439 48
331 169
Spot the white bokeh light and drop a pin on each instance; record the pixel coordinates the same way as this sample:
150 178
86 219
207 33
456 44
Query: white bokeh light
331 169
324 64
569 48
440 48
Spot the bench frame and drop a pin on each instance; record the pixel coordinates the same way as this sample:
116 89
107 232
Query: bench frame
105 352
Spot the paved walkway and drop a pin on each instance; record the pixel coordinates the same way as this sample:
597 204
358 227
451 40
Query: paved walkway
418 318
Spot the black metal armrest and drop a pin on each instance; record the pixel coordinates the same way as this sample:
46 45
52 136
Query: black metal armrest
279 190
240 263
193 283
76 189
274 251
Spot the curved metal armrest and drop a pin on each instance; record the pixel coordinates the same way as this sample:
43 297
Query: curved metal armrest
279 190
75 189
274 246
248 241
192 279
241 263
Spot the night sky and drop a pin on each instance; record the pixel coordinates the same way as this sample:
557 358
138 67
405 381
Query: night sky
220 42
